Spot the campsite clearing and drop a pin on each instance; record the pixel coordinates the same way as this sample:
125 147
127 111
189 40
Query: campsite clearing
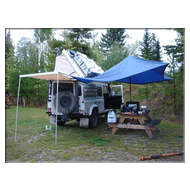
76 144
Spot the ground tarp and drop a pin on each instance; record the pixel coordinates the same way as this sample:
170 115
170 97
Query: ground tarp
132 70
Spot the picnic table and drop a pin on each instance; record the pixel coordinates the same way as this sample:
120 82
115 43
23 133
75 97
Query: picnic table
136 121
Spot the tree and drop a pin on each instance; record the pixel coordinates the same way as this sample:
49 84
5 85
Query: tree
9 58
26 62
175 73
45 34
55 48
151 50
180 47
42 35
117 54
150 47
79 38
113 36
155 53
96 52
146 45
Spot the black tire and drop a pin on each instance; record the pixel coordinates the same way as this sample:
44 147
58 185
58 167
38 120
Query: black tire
66 102
93 119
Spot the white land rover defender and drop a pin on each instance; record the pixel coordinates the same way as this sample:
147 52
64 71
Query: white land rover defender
77 100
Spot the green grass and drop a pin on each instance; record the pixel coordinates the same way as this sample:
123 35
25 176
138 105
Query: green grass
100 142
35 144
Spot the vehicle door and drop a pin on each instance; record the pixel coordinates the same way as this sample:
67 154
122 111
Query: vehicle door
116 98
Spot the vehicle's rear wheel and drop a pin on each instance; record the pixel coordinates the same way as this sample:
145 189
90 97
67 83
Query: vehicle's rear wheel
93 119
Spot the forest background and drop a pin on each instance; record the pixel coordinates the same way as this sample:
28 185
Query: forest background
165 99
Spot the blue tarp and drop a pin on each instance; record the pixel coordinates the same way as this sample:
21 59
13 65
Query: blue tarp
132 70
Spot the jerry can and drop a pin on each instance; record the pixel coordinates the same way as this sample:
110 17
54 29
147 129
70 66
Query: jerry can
111 117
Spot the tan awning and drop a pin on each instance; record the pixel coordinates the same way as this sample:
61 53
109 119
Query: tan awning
48 76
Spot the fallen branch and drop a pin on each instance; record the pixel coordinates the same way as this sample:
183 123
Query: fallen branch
160 155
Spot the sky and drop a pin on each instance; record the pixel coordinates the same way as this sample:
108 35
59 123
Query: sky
166 37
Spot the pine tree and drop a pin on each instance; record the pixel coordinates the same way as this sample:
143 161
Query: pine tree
155 53
150 47
158 51
146 45
180 47
113 36
79 38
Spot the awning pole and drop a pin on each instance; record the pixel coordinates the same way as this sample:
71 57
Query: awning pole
56 108
130 88
17 106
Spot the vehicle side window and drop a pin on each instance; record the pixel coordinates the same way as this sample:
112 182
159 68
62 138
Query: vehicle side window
79 90
99 91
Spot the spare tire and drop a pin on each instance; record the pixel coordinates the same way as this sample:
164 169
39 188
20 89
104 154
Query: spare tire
66 102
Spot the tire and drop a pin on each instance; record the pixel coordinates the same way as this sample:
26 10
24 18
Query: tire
93 119
66 102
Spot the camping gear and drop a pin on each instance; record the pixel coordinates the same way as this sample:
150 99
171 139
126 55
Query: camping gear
48 128
122 107
111 117
161 155
133 104
143 108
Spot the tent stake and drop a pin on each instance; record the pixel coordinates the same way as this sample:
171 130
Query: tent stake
17 107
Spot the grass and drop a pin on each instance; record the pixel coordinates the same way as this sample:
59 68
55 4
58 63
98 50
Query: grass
76 144
100 142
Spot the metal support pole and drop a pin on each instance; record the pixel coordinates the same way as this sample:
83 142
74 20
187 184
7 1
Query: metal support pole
147 96
17 107
56 107
130 88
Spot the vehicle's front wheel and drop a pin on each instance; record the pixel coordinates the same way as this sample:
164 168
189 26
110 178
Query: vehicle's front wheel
93 119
